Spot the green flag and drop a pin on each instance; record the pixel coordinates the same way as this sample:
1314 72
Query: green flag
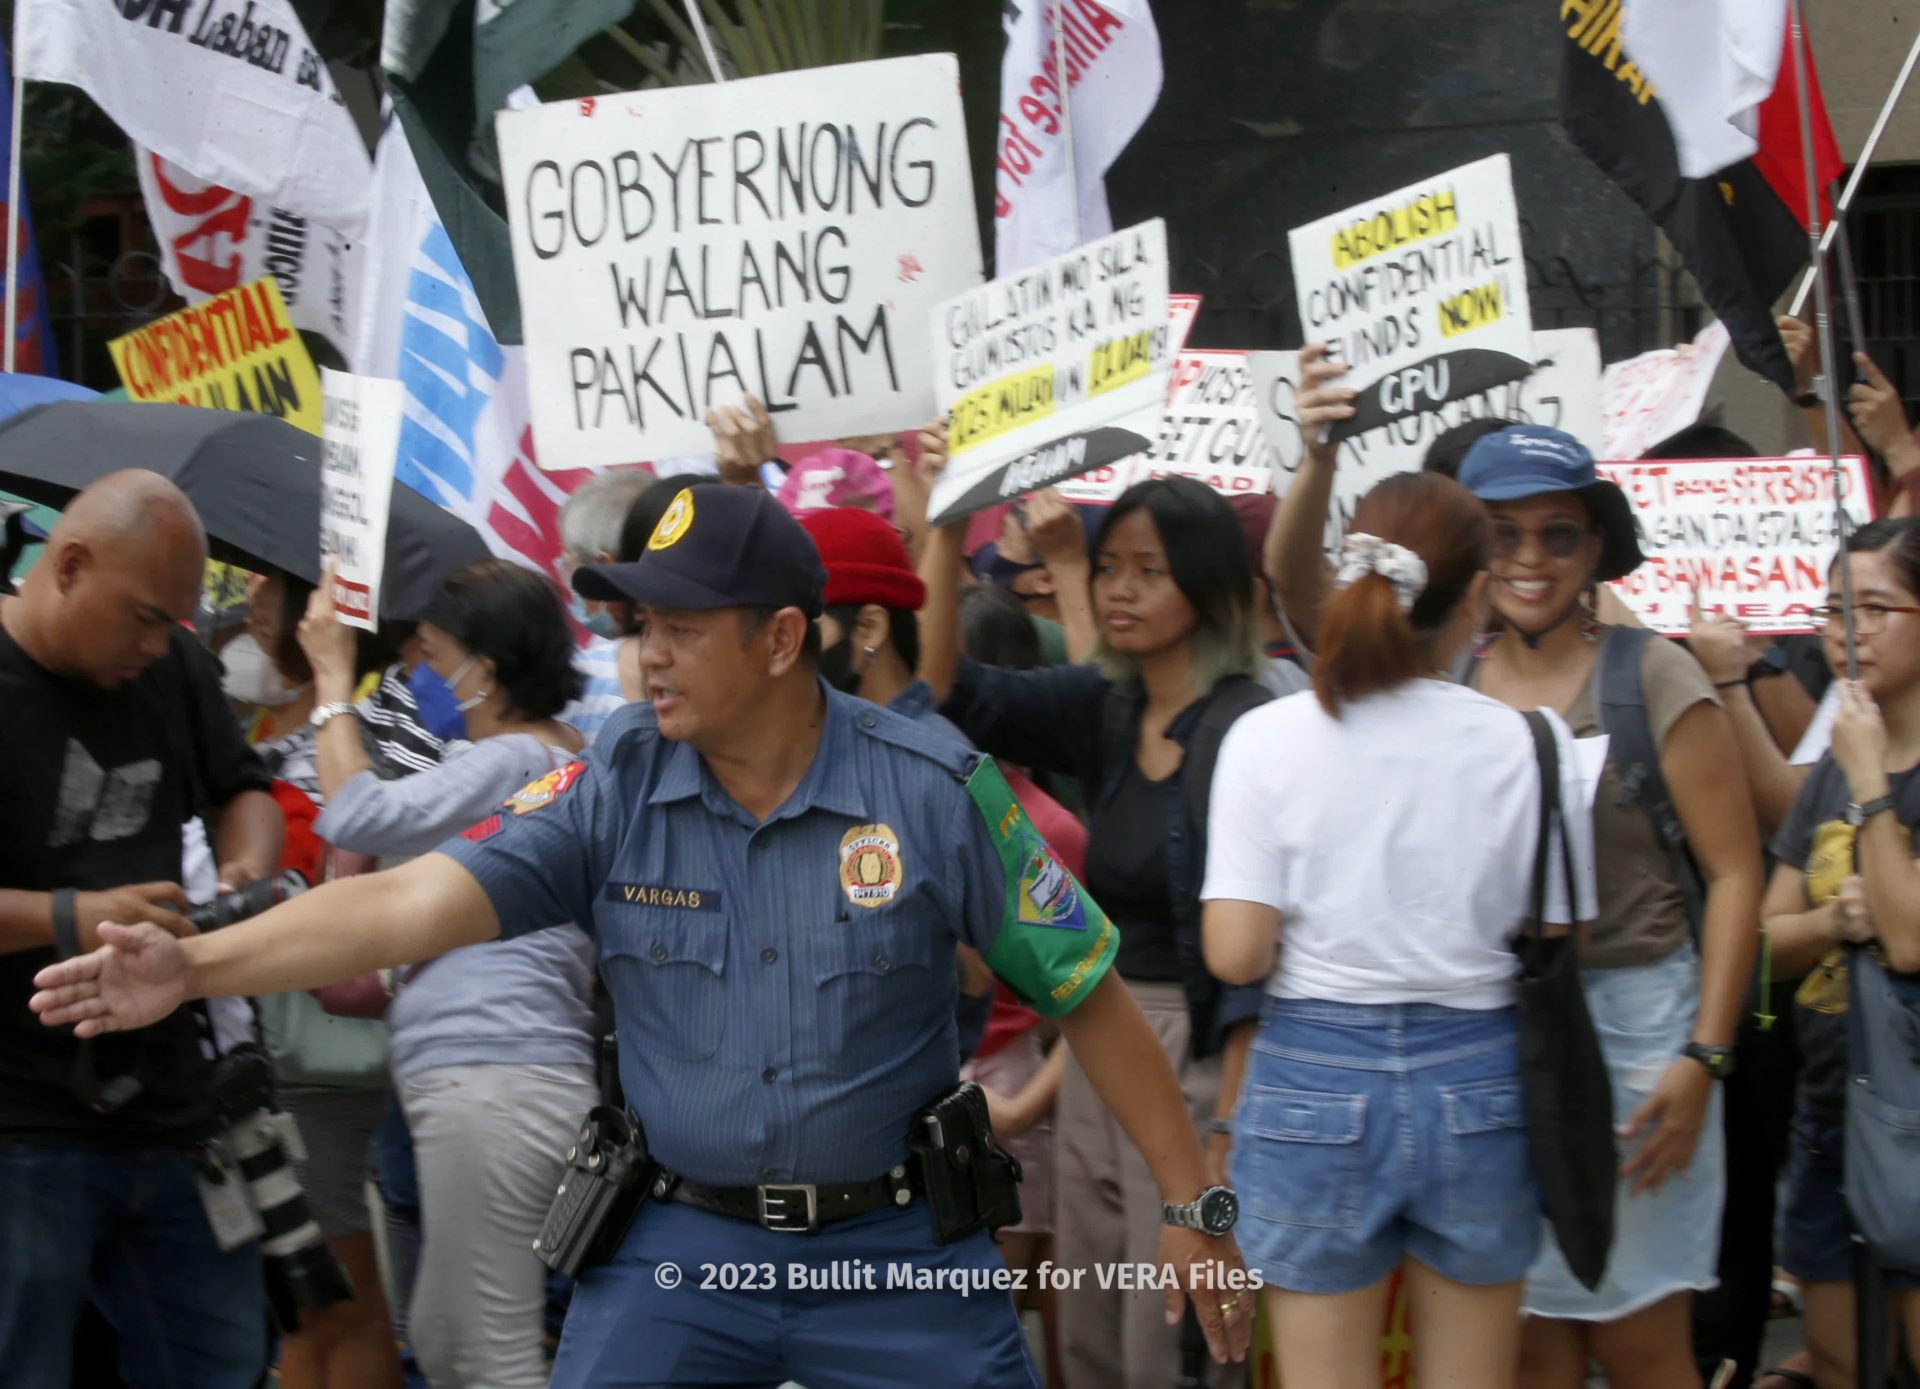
1055 943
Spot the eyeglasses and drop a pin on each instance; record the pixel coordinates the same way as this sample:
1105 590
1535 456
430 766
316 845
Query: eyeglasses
1868 618
1558 539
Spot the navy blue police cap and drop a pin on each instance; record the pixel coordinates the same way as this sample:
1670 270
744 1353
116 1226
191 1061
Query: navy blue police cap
716 547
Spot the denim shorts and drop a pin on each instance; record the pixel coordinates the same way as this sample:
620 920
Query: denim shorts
1368 1132
1816 1243
1665 1241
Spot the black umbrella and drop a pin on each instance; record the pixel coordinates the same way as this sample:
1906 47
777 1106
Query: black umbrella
254 479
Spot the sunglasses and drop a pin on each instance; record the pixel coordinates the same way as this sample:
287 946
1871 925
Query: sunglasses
1557 539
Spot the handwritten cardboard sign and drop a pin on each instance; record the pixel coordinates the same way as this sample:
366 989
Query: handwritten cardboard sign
1422 292
1647 398
785 236
359 446
1563 391
236 351
1051 371
1754 537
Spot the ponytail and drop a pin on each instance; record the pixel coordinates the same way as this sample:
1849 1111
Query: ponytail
1415 544
1366 643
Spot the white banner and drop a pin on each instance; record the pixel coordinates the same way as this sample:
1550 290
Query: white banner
466 442
358 447
1647 398
1563 391
1753 537
1422 292
786 237
230 89
1051 371
214 239
1113 74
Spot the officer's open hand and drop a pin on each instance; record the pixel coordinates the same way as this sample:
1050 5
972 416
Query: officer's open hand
137 976
1213 1275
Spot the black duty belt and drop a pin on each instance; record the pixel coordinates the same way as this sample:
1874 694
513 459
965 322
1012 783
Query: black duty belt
798 1208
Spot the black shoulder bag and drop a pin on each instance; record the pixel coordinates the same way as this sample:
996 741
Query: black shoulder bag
1563 1077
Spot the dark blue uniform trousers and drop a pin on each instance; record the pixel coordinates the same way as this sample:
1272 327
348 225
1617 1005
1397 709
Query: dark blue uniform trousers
645 1319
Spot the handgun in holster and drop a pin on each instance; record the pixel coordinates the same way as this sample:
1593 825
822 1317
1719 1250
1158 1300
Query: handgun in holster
606 1179
971 1182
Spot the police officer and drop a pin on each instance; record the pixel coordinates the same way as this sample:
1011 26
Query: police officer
776 875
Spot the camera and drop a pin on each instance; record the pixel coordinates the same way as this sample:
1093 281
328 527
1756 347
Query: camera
230 908
301 1271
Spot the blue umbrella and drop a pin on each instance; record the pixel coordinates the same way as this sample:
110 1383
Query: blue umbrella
19 390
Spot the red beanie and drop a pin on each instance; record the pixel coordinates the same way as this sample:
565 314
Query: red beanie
866 560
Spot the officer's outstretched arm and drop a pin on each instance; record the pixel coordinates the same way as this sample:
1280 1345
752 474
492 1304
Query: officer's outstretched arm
374 921
1117 1048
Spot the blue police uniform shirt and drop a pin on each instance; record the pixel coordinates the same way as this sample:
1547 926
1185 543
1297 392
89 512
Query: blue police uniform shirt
783 992
916 702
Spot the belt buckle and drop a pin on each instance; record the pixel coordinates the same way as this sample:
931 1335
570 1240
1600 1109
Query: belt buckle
791 1207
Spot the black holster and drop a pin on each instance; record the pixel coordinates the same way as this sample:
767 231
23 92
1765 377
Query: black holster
972 1183
607 1177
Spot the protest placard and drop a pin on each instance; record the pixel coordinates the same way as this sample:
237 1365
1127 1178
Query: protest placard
236 351
357 453
1647 398
1422 292
1752 536
785 237
1182 309
1052 371
1563 391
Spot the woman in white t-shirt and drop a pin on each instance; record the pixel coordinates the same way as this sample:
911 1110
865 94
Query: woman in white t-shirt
1384 826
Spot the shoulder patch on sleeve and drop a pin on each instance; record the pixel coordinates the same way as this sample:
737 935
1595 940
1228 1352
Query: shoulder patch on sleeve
537 795
485 830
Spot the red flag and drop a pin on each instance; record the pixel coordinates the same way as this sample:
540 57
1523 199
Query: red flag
1781 157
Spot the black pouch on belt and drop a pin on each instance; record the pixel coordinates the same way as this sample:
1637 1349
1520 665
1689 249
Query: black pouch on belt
607 1177
972 1183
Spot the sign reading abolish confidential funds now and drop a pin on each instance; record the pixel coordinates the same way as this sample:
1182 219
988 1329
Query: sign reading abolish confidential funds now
1422 293
785 237
1053 371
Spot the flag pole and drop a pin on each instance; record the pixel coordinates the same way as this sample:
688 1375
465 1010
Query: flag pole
706 40
1860 167
13 222
1823 326
1066 114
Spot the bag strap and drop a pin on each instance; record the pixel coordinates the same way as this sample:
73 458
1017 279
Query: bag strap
1202 754
1546 754
1620 704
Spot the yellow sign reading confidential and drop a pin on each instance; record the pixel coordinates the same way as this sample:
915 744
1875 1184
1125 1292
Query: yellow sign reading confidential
1120 362
1006 404
236 351
1432 214
1470 309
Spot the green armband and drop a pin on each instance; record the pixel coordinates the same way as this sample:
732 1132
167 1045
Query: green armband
1055 943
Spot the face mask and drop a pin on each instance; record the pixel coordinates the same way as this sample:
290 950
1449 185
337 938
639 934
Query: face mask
836 664
440 713
250 677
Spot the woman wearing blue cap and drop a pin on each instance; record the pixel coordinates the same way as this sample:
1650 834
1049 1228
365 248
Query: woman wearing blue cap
1665 1006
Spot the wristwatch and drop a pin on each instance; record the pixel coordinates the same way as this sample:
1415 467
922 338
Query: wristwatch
1858 815
324 713
1212 1212
1717 1060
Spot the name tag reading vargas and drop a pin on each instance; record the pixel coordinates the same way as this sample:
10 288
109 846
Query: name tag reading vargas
686 899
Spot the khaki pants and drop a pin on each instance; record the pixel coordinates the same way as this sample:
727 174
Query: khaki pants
1107 1212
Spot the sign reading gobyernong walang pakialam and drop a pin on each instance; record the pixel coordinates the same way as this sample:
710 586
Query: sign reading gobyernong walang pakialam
1053 371
784 237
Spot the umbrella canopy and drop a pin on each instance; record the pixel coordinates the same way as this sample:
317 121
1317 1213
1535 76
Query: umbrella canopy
20 391
254 479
